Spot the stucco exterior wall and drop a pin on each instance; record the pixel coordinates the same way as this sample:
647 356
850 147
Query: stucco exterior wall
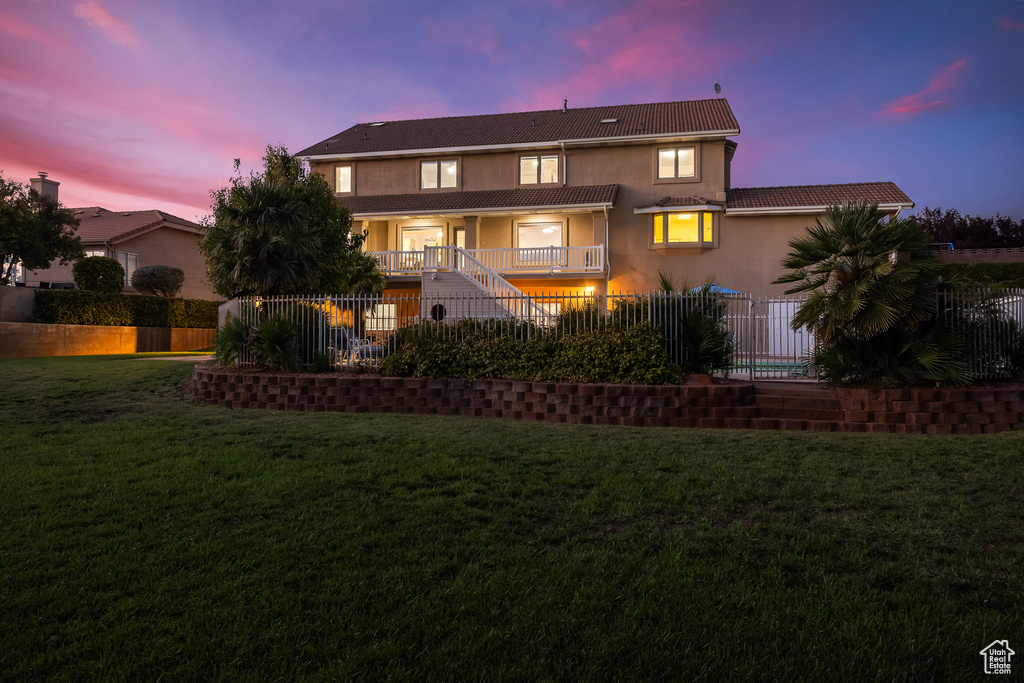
749 248
747 259
32 340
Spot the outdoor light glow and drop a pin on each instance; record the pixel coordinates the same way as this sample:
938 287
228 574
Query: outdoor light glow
589 290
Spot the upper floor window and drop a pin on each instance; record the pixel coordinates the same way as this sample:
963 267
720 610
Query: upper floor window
677 162
538 169
692 228
435 174
343 179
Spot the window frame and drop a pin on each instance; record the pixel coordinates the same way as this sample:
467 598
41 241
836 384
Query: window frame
701 243
439 161
124 264
351 180
539 157
695 178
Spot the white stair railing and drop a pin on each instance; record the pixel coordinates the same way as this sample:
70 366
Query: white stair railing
509 297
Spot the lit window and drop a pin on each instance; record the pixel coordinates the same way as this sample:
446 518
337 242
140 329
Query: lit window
415 239
695 228
343 179
95 252
129 262
676 163
538 169
382 318
435 174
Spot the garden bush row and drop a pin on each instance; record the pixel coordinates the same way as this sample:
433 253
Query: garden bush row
469 349
77 307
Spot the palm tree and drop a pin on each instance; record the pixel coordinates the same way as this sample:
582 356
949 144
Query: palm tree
872 288
260 241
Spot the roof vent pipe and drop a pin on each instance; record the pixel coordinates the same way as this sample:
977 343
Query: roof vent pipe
565 106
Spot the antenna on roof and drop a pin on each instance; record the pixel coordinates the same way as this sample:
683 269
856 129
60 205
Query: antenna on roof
718 90
565 106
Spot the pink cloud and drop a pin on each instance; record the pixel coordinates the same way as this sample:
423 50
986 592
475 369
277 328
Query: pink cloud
115 30
930 97
1010 25
16 28
629 49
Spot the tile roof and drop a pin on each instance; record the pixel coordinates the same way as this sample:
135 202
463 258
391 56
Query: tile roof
482 200
537 127
100 225
814 195
683 201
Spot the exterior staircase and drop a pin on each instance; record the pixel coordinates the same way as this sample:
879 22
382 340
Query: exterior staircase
448 270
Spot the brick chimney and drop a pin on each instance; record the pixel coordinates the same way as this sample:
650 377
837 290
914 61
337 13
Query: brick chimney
45 186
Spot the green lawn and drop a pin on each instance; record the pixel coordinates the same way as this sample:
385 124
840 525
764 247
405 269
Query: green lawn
142 536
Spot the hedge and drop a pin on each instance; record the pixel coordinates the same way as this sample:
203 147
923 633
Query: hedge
471 350
1007 274
78 307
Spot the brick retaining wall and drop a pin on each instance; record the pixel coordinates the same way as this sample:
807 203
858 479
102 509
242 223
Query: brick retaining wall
615 404
972 410
968 410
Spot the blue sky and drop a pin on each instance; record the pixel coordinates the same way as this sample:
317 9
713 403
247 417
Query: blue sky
146 105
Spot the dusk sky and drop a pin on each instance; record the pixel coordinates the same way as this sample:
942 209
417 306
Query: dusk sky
133 105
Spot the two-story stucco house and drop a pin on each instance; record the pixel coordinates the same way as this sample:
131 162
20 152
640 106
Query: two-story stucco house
570 199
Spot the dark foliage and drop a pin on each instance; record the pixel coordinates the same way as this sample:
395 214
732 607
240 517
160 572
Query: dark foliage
490 349
77 307
283 232
34 230
970 232
158 280
98 274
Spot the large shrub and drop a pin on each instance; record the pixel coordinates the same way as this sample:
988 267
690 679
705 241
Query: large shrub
692 323
165 281
98 274
273 343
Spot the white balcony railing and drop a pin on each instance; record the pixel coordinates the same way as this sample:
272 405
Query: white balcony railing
505 260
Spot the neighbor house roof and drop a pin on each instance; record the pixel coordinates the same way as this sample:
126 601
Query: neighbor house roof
100 225
813 198
696 118
580 198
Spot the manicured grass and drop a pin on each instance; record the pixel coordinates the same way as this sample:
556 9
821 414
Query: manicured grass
142 536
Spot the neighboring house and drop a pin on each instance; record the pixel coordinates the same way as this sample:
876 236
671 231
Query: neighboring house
136 239
571 199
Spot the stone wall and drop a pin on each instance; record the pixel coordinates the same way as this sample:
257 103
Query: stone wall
616 404
969 410
973 410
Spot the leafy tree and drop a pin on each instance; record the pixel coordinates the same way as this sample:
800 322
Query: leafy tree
34 230
872 287
970 232
165 281
283 232
99 274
